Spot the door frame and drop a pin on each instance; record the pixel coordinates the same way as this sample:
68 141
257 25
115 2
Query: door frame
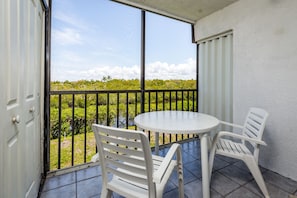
47 6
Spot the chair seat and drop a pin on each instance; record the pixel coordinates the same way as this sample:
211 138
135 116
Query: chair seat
231 148
125 187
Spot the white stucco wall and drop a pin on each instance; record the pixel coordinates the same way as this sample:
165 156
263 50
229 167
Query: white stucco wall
265 71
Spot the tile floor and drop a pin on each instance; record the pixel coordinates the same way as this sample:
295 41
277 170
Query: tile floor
230 179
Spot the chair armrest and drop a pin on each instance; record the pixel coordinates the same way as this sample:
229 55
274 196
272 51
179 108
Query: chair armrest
225 133
174 149
231 124
95 158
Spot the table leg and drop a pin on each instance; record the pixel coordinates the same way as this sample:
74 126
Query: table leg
157 143
204 165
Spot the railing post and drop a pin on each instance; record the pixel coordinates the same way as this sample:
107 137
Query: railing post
85 129
72 129
59 130
107 110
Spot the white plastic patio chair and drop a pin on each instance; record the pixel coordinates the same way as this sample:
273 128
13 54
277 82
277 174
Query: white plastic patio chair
247 149
126 156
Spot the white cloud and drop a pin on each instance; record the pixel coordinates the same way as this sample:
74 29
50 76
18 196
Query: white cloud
66 36
156 70
70 20
163 70
69 33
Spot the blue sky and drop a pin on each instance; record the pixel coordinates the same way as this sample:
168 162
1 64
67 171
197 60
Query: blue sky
96 38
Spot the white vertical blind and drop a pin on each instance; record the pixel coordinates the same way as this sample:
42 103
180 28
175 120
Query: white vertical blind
216 76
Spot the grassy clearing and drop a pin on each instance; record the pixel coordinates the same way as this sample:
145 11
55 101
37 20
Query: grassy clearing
66 150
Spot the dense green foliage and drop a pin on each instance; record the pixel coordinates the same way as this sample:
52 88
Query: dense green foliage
81 109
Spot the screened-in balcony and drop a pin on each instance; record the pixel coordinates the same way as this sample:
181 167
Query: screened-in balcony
245 57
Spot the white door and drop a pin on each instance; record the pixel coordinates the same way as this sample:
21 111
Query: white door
21 52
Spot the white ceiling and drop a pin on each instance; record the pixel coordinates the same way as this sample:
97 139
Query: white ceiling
186 10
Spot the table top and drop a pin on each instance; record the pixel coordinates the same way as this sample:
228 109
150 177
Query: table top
176 122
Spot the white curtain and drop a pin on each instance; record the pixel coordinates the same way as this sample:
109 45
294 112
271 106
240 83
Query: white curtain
216 76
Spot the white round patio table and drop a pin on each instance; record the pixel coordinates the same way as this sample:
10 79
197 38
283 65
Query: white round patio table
181 122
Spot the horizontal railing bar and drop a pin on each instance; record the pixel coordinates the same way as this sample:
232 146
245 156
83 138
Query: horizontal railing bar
114 91
91 91
168 90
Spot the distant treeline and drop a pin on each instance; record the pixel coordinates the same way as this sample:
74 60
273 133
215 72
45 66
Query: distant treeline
119 84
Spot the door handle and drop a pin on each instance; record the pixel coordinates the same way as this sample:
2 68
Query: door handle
32 110
16 119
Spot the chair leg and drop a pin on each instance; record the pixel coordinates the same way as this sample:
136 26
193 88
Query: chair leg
159 193
254 168
180 180
211 159
105 193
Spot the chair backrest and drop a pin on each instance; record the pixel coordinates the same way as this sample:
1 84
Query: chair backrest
254 126
125 154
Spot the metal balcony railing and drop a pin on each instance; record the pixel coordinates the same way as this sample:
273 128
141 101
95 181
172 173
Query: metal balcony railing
73 112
